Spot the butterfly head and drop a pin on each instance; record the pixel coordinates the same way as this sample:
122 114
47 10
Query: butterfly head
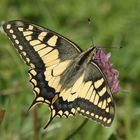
91 52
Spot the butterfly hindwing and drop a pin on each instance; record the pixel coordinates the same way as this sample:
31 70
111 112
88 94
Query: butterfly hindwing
89 93
95 100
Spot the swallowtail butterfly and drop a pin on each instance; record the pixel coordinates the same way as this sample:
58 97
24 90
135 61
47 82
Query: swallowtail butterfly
63 76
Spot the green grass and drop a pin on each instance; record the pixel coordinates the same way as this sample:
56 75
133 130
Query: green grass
114 23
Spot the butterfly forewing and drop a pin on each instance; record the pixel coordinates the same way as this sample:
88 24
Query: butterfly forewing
34 43
55 77
42 50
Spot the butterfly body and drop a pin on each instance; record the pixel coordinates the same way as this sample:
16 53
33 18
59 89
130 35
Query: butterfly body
63 76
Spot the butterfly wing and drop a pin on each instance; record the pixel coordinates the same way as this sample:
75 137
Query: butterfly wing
40 48
50 57
90 94
95 99
34 43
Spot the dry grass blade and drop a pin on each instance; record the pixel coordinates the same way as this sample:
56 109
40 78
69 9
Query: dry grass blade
2 113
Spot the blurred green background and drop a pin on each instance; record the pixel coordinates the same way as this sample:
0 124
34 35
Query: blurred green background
114 23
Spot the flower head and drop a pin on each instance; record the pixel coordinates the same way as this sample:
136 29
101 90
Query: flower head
112 75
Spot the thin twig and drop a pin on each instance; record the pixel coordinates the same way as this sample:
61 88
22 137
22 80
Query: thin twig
35 124
2 113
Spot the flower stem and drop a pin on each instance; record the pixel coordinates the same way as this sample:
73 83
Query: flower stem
35 124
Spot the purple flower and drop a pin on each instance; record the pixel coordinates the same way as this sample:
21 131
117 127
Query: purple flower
112 75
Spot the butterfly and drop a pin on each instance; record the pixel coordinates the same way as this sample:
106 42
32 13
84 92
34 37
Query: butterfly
63 76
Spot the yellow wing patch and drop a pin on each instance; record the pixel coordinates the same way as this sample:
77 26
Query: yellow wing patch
52 41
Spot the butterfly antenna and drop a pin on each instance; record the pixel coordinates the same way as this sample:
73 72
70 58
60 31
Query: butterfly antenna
120 47
89 22
92 45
